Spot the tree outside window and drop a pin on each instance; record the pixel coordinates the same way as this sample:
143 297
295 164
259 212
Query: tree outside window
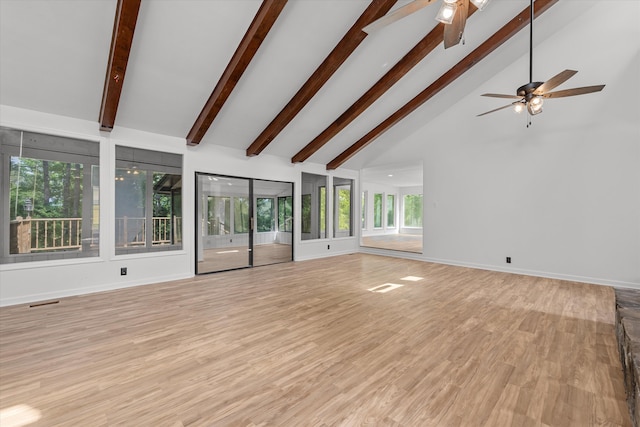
265 214
342 225
413 210
306 213
285 213
391 210
241 215
377 210
219 215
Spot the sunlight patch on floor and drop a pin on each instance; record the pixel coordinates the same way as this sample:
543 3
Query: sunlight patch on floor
18 416
385 288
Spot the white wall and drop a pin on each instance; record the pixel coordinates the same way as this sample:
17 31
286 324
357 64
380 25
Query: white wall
565 203
28 282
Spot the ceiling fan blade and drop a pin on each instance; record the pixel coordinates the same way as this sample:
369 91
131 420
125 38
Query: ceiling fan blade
554 81
397 14
500 95
498 109
574 91
453 32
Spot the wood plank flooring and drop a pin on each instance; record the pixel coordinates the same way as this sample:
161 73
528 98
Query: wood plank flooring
306 344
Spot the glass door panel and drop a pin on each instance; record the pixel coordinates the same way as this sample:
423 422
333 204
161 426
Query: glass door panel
224 212
273 233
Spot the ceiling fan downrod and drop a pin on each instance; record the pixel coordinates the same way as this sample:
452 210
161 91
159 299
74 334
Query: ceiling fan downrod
530 42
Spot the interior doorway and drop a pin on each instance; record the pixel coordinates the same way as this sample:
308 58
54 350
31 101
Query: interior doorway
242 222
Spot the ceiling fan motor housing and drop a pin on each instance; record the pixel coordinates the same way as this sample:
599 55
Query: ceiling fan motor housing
527 90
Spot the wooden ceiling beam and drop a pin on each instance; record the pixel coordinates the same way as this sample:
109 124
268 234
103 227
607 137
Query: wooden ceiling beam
123 28
492 43
253 38
402 67
321 75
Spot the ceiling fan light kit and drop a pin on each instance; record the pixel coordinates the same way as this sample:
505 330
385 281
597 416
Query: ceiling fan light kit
452 13
533 93
447 11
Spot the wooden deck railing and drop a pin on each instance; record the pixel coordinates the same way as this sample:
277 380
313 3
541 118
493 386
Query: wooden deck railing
51 234
131 231
55 233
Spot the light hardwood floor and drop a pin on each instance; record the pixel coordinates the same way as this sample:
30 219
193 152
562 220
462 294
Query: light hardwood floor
306 344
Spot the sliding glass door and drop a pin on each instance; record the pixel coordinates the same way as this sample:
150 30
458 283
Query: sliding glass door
242 222
224 223
273 233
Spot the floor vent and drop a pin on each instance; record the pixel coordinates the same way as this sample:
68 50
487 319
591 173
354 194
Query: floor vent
43 303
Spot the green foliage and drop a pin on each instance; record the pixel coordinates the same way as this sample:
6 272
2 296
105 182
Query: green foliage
377 210
306 213
323 209
265 214
344 209
413 210
285 213
241 215
391 210
52 189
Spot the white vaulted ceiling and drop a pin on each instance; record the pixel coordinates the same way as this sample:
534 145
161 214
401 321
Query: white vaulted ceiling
54 56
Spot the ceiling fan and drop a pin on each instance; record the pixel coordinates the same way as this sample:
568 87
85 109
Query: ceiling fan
453 13
531 95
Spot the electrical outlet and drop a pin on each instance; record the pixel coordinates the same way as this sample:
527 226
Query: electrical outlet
508 260
123 271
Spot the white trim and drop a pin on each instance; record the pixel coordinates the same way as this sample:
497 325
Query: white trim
34 298
537 273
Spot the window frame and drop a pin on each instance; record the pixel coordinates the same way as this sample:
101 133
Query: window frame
50 148
152 162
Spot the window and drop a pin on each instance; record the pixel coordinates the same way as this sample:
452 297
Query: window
50 197
391 210
265 213
323 212
314 206
240 215
342 226
377 210
148 205
219 216
413 210
363 210
306 213
285 213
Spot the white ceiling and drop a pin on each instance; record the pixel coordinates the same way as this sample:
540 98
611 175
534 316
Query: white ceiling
54 56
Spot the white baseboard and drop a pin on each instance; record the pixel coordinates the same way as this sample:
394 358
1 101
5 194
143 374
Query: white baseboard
47 296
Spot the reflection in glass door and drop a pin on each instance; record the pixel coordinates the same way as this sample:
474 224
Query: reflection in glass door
224 212
242 222
273 233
